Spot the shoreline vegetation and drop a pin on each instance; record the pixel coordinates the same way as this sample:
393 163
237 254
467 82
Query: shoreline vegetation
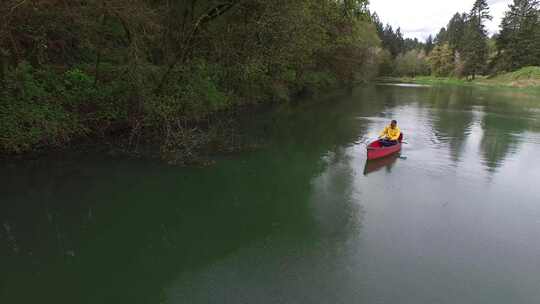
171 74
527 78
178 74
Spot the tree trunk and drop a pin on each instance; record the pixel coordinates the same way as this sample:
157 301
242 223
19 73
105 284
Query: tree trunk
101 45
3 66
207 17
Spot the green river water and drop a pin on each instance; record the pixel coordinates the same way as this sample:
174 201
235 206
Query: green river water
455 219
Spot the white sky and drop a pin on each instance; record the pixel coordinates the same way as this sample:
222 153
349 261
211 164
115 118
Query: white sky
420 18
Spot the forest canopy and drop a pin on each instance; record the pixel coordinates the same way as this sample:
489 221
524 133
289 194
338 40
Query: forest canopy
71 69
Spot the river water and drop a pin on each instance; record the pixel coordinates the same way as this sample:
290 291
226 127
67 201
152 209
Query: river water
454 219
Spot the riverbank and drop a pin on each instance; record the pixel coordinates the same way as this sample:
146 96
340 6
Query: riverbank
301 207
187 141
525 78
176 75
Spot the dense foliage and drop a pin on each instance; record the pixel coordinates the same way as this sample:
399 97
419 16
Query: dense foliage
465 50
518 43
71 69
401 56
175 70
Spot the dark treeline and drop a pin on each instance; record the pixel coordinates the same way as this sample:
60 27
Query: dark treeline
401 56
164 68
518 44
464 49
174 71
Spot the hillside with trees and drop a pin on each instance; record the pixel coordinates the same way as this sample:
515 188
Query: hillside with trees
168 70
464 49
401 56
176 72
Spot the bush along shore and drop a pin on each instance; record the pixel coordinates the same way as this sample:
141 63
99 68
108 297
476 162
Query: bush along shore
172 73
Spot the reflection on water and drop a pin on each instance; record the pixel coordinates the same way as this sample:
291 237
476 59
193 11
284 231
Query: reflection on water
304 220
405 85
501 137
378 164
453 126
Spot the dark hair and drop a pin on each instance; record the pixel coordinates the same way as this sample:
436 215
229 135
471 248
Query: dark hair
394 122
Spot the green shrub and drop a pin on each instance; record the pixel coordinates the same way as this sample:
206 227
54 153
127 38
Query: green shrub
193 94
320 80
96 105
30 116
43 107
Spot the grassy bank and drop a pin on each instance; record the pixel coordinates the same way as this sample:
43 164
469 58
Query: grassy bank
525 78
528 77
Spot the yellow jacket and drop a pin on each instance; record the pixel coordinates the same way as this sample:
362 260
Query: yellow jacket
391 134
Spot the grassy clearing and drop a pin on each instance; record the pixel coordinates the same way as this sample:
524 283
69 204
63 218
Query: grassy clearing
525 78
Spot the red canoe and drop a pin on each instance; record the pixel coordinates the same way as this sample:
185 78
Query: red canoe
375 150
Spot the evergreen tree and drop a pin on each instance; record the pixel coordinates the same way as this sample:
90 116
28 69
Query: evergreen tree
441 37
456 31
516 46
399 42
476 49
518 43
429 44
387 40
410 44
393 41
378 25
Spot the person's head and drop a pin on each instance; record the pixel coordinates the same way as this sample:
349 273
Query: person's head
393 124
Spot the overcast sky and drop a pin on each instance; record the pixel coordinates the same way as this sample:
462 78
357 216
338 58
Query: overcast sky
420 18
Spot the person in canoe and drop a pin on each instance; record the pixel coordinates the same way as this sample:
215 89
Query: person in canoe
390 135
